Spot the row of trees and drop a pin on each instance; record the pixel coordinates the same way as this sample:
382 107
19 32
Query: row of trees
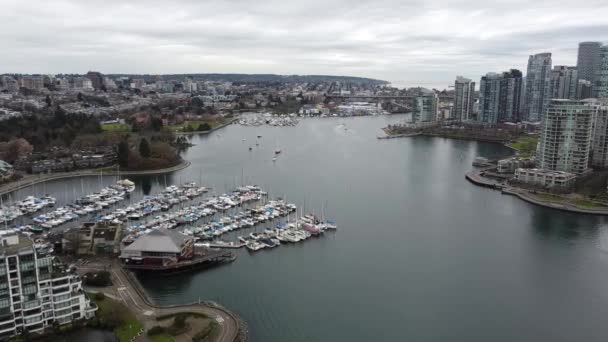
140 154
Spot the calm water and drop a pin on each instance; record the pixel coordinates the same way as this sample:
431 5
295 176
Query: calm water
420 254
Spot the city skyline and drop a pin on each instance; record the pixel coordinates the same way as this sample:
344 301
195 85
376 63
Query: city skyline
437 42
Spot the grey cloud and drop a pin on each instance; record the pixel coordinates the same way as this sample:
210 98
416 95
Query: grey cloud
418 42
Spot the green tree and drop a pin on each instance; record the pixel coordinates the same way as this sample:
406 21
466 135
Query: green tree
123 153
157 124
144 148
204 126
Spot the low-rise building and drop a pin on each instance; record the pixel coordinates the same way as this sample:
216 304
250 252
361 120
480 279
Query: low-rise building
509 165
158 248
6 171
545 178
93 238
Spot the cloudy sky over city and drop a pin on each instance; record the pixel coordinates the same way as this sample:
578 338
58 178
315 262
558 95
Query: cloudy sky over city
406 42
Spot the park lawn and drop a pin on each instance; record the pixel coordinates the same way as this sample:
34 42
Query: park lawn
192 125
161 338
577 202
111 310
525 144
116 127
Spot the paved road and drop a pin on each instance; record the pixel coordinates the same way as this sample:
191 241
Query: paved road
147 313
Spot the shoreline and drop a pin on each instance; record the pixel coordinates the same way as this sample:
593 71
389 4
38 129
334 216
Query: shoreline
475 178
209 131
127 288
40 178
414 134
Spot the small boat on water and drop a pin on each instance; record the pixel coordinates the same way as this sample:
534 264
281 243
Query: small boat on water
277 151
254 246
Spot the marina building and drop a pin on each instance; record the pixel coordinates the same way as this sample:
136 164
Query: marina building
564 81
500 97
160 247
35 292
538 88
545 178
565 141
464 98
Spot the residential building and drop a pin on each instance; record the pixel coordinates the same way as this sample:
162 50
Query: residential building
93 238
96 79
599 154
464 98
509 165
36 292
82 83
588 61
601 80
538 89
500 97
564 82
584 89
6 171
138 83
10 84
32 82
425 107
565 141
545 178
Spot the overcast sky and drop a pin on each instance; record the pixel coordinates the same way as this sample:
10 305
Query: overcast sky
406 42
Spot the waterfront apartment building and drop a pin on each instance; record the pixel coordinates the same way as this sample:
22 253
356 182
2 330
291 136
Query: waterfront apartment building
601 80
599 155
588 61
425 107
545 178
564 81
35 292
565 141
464 98
500 97
538 87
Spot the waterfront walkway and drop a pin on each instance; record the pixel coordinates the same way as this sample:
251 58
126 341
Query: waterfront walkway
30 180
127 289
476 178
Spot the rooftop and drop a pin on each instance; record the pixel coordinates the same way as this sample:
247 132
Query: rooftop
13 243
159 240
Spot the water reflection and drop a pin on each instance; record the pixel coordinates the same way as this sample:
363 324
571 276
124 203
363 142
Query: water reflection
567 226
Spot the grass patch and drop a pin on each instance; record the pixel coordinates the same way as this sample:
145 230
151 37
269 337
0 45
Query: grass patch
588 204
161 338
577 202
116 316
186 314
116 127
526 145
193 125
